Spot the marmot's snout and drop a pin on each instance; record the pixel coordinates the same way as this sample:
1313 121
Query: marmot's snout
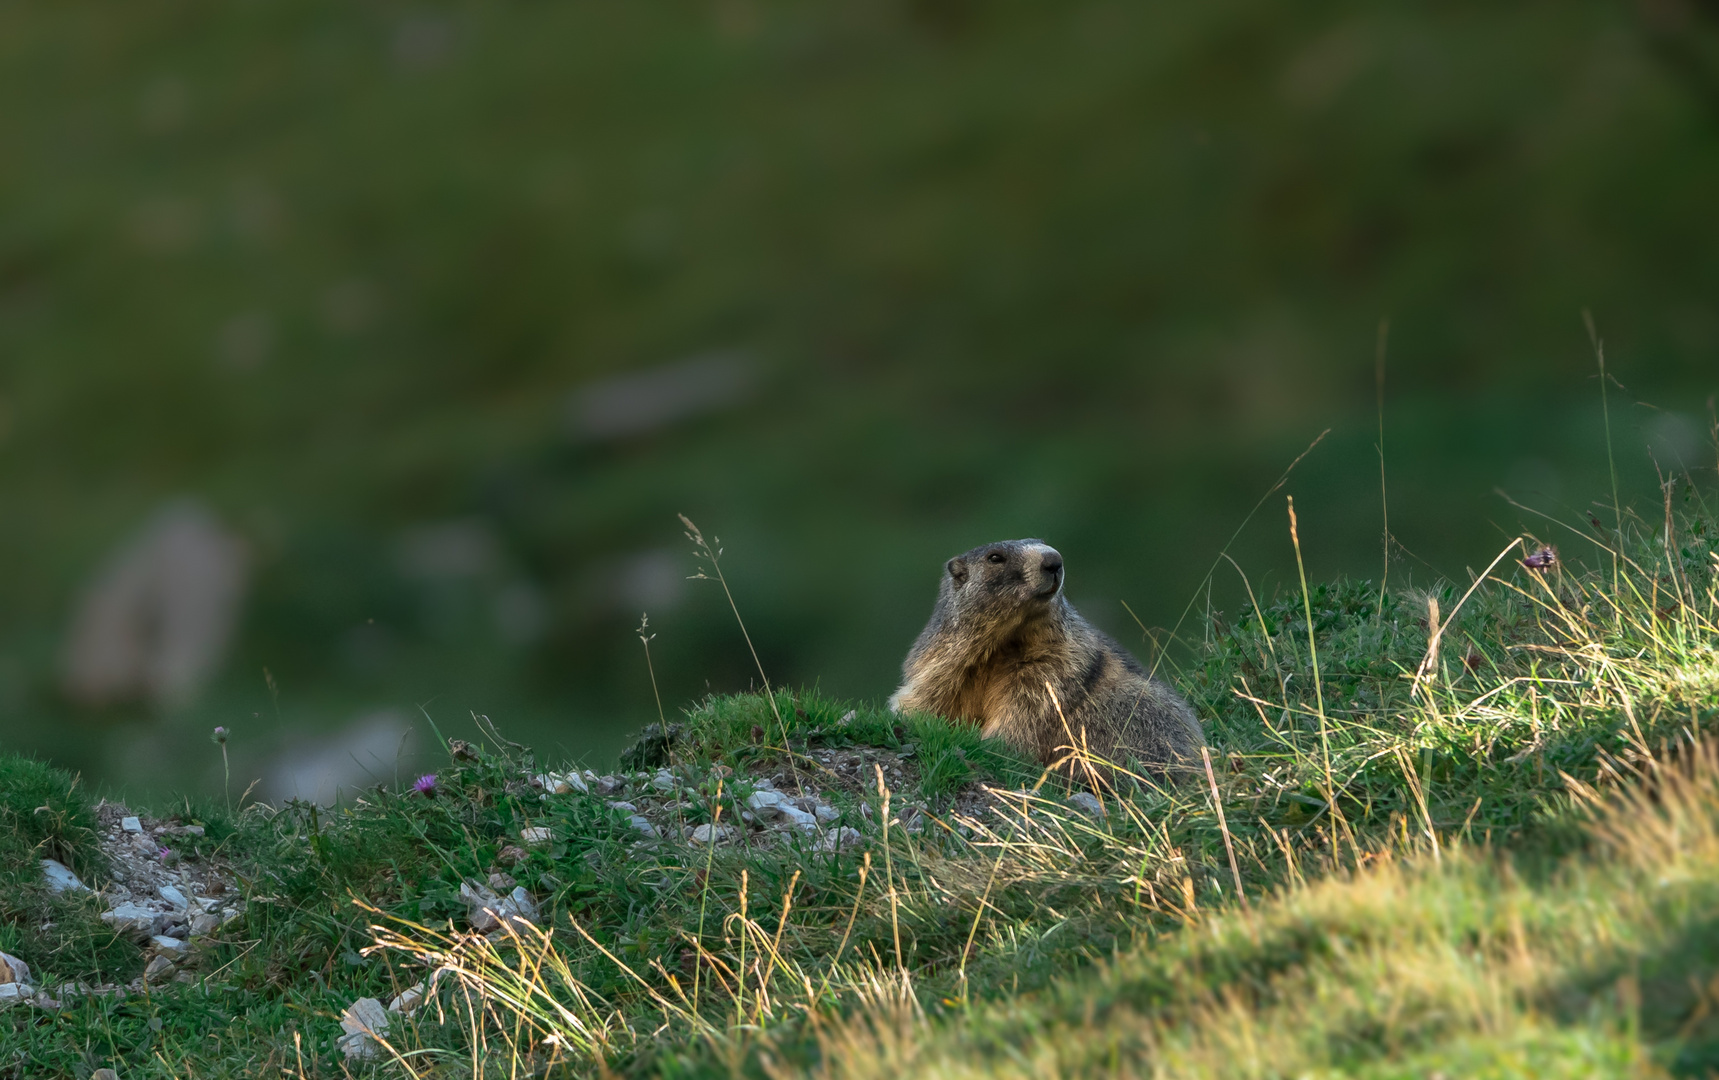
1050 570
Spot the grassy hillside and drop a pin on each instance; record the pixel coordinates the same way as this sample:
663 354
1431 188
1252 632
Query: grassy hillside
1489 856
1092 271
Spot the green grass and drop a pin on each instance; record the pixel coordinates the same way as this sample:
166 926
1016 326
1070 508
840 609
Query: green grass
1495 875
45 813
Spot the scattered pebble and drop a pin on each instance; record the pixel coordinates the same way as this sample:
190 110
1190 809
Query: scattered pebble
362 1020
537 835
489 912
159 968
60 877
765 801
840 839
407 1001
141 921
562 783
1087 803
131 824
174 897
13 971
707 833
643 824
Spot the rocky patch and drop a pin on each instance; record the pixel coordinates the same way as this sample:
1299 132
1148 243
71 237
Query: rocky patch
161 898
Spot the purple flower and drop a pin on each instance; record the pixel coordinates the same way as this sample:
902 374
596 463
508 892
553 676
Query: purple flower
1541 559
426 784
219 736
163 853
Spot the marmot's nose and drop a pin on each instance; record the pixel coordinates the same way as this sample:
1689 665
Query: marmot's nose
1052 563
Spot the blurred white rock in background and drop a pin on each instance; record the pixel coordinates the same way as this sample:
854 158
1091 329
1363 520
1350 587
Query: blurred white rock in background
157 620
324 764
638 403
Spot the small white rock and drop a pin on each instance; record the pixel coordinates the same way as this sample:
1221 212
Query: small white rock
131 825
169 946
158 968
408 1000
796 817
12 993
205 924
561 783
490 912
174 897
825 812
765 801
361 1020
840 839
523 905
13 970
623 806
136 918
663 780
536 835
60 877
708 833
643 824
1087 803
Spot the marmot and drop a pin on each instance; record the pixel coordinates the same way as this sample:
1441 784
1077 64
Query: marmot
1001 630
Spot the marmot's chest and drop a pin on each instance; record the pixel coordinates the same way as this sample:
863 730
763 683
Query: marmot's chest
989 685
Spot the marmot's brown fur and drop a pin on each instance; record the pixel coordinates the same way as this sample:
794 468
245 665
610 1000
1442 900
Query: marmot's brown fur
1002 630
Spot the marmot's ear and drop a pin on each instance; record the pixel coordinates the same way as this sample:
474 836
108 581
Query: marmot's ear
957 571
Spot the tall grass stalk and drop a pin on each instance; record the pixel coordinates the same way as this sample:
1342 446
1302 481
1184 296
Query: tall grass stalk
1384 503
713 556
1313 660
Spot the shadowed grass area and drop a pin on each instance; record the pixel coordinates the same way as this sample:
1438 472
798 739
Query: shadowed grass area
1477 838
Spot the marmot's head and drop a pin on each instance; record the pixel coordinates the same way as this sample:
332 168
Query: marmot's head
1003 581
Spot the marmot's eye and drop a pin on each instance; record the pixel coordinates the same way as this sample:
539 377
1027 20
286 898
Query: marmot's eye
996 557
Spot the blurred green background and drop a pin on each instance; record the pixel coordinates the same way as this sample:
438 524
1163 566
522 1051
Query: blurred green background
446 311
